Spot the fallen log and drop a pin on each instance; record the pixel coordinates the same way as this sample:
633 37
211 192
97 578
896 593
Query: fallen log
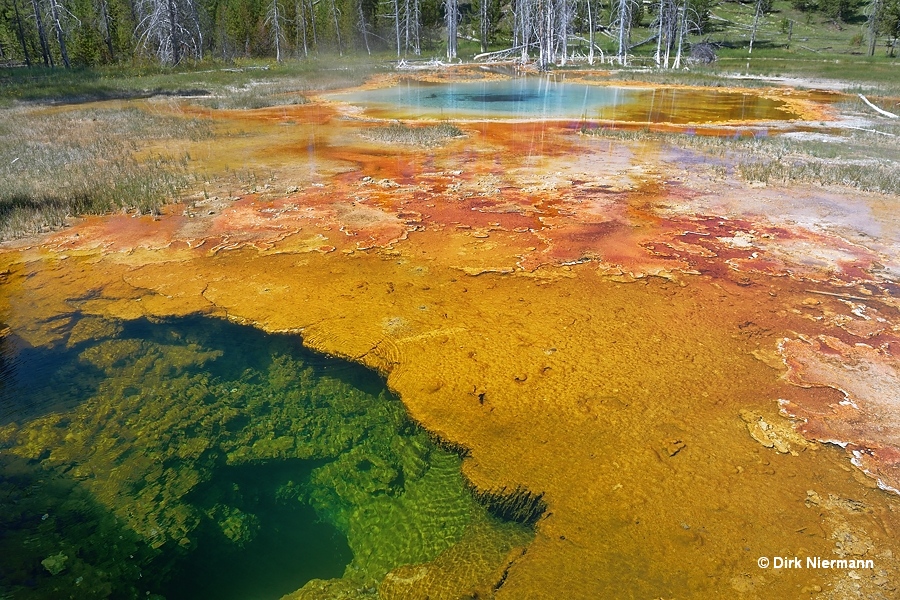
878 110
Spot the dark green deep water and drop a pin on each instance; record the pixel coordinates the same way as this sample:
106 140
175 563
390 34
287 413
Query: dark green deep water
200 459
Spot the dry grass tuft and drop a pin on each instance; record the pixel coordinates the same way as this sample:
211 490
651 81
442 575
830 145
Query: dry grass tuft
400 133
858 159
61 164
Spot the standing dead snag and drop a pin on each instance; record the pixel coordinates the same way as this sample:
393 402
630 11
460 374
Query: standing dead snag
106 28
363 26
56 13
624 19
337 27
673 23
169 29
762 7
42 35
451 9
21 34
274 17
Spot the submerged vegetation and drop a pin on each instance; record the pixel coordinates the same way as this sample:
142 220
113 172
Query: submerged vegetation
152 454
519 504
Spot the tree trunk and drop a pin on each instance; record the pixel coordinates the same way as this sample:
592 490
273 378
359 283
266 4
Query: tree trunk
407 11
107 25
543 16
682 25
417 19
276 26
300 14
659 33
364 27
484 24
60 36
173 32
397 25
562 32
42 35
624 26
452 8
755 24
312 22
198 41
590 34
873 18
22 34
337 28
527 26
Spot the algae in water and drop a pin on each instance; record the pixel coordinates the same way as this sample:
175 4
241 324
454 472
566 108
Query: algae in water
181 407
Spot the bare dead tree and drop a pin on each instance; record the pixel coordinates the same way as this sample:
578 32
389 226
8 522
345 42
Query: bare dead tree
42 35
544 32
451 10
871 29
105 23
57 13
21 31
623 17
407 29
300 16
756 17
363 26
546 25
681 31
665 26
416 27
396 15
591 28
672 25
274 18
405 18
484 23
169 29
524 26
566 11
312 24
337 26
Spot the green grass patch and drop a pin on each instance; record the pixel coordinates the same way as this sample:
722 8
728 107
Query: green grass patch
207 78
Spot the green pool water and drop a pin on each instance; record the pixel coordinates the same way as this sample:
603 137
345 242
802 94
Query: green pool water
201 459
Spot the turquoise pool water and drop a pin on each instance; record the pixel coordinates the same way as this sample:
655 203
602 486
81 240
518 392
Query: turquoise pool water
546 98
